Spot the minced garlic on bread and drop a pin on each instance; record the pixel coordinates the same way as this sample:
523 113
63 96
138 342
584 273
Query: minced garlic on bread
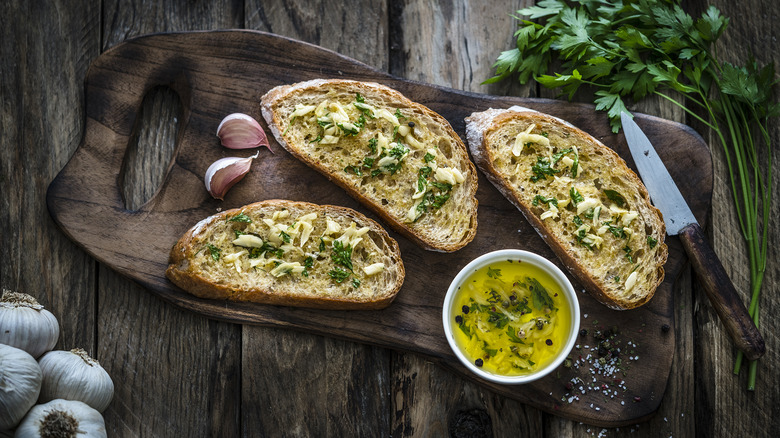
580 196
289 253
395 156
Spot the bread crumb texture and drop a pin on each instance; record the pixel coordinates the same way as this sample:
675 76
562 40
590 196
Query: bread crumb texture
398 157
290 253
580 196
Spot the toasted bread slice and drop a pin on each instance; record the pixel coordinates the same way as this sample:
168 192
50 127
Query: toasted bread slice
395 156
289 253
580 196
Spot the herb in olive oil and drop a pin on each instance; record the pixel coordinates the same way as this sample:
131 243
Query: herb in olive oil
511 318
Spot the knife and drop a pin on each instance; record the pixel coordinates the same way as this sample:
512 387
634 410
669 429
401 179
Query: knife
680 221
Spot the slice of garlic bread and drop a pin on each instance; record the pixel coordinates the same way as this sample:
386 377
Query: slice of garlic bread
395 156
580 196
289 253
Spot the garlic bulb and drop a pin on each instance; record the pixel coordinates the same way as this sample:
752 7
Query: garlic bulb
26 324
225 173
73 375
20 383
241 131
62 419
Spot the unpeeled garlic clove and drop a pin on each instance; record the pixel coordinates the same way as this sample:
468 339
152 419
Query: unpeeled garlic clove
241 131
225 173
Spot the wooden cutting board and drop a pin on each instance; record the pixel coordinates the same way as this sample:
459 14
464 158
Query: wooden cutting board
219 72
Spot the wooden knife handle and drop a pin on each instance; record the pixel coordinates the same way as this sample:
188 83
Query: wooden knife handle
722 294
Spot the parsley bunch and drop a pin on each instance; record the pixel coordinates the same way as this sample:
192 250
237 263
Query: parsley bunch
629 49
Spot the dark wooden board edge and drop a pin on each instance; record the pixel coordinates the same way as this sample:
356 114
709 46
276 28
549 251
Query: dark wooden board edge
441 99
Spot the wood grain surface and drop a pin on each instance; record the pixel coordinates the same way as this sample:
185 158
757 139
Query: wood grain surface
180 374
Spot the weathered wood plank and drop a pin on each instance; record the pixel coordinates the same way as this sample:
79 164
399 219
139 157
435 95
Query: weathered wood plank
173 370
307 385
41 88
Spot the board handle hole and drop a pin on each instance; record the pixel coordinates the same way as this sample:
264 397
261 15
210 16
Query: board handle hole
152 146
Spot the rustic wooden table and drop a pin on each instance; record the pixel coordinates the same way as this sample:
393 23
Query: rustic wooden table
180 374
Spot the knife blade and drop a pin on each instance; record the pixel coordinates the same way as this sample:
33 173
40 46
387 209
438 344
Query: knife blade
679 220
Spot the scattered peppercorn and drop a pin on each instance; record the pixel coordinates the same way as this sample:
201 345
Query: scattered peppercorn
569 386
548 342
411 124
478 362
459 319
665 328
465 309
583 332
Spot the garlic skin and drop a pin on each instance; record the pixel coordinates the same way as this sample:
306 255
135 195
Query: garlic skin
225 173
241 131
20 383
62 418
73 375
25 324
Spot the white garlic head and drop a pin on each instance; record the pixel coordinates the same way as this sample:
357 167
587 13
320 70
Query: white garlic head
20 383
25 324
62 418
74 375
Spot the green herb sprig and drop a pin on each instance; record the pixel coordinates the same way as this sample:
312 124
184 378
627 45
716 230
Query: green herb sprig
631 49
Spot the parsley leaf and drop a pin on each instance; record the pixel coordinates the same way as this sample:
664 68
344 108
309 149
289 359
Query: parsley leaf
241 217
493 273
539 294
576 197
652 242
339 275
214 251
542 169
342 255
615 197
541 199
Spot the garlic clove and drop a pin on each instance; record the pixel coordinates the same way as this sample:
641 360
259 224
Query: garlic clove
62 418
25 324
20 384
241 131
225 173
74 375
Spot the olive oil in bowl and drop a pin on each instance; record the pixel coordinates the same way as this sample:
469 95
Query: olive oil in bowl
511 316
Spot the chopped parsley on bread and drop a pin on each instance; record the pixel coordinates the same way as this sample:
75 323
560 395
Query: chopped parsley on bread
580 196
289 253
397 157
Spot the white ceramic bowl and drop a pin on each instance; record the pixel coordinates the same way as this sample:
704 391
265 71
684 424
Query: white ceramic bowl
526 257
